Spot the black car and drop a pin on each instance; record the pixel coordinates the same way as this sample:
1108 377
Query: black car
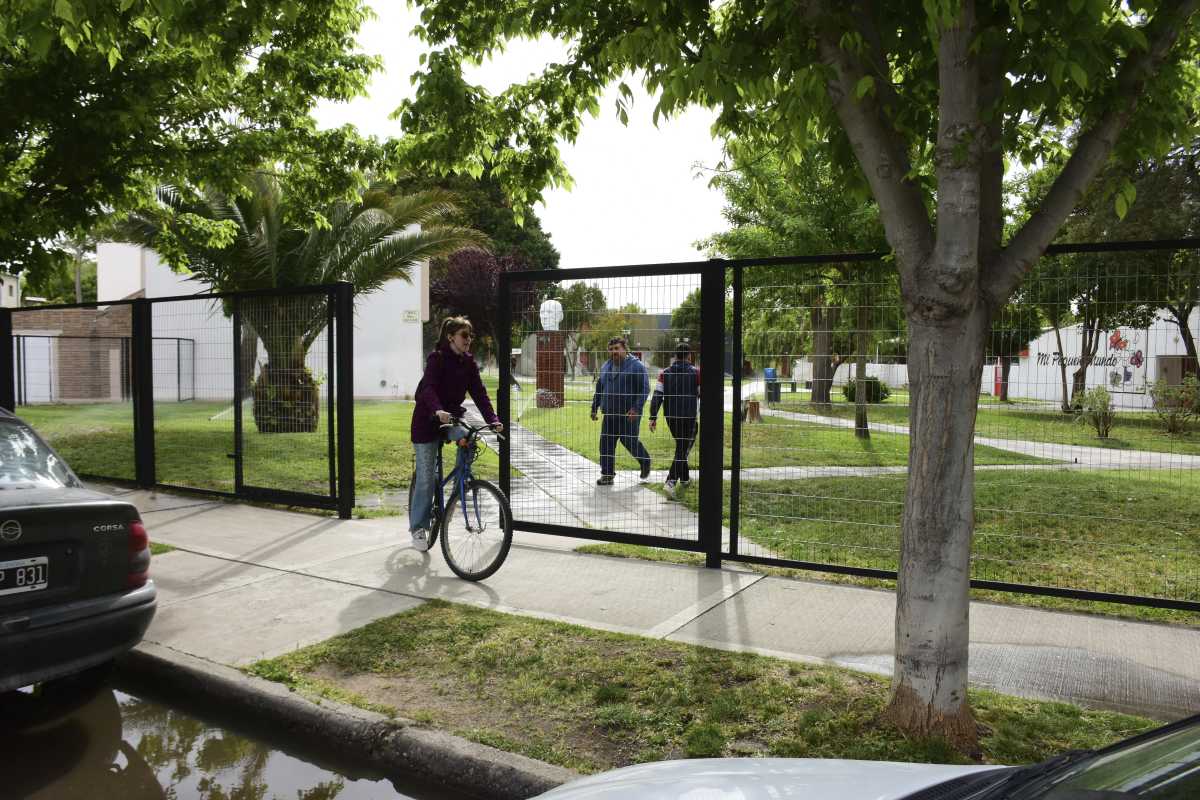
75 590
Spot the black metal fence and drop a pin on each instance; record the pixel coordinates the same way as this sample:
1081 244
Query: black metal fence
1087 473
243 394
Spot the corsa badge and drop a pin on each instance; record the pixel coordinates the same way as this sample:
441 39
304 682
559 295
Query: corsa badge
10 530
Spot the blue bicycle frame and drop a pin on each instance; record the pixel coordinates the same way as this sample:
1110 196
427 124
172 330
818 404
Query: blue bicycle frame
462 474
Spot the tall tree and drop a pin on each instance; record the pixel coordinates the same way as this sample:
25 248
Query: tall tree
1015 326
919 101
483 206
685 320
1167 206
777 208
60 275
468 283
249 241
104 99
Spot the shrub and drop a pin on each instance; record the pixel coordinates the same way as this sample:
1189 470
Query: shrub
1176 405
877 390
1096 409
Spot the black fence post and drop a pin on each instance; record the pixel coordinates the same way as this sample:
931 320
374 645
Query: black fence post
712 408
344 341
8 387
142 346
735 455
503 358
238 379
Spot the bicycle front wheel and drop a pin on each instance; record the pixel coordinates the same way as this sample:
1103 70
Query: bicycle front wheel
476 531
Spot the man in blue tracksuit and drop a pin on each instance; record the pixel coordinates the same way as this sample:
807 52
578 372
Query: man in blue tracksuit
621 391
678 394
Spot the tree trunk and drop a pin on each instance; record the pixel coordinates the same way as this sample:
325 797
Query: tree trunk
286 397
929 690
862 428
78 275
1189 342
823 320
1005 368
1062 368
249 359
1089 344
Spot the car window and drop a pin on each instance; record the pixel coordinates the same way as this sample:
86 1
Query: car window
1163 768
27 463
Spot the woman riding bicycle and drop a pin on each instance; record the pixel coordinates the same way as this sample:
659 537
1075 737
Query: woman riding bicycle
450 373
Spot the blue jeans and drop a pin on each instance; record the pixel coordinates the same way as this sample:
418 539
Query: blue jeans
619 428
425 479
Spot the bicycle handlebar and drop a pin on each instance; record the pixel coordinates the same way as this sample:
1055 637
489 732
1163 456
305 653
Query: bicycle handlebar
472 429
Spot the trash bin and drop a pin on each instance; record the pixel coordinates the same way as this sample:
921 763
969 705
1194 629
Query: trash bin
771 378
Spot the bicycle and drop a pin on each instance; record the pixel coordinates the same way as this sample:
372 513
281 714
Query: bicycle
476 524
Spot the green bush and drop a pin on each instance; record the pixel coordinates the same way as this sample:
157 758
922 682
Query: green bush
877 390
1096 409
1176 405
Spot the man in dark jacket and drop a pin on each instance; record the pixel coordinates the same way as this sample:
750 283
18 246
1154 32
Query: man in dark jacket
677 393
621 390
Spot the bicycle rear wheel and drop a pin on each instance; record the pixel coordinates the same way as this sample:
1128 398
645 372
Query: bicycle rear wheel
433 522
476 539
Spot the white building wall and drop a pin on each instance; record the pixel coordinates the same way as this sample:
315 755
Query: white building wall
1127 362
388 357
10 291
119 270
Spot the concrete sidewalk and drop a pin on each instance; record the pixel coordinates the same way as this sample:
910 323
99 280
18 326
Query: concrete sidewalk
247 583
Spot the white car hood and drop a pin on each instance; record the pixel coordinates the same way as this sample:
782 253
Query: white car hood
761 779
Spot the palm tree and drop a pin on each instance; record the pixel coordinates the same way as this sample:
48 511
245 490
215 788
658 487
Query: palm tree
378 238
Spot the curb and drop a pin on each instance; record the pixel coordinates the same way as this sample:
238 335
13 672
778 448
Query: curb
395 748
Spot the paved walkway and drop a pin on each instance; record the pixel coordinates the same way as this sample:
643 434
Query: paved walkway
247 583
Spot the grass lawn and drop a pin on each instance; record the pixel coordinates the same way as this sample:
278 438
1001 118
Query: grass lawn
592 700
1132 430
193 447
775 442
1103 531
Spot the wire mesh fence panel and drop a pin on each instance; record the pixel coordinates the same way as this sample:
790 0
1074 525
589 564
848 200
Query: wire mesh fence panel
287 417
193 388
604 426
72 384
1086 469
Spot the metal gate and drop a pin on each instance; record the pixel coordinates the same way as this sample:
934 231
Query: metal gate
244 394
547 392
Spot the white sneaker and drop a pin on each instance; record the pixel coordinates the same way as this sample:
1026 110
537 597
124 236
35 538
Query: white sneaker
420 540
670 488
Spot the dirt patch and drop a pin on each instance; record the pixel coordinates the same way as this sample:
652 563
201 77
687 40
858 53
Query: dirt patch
468 710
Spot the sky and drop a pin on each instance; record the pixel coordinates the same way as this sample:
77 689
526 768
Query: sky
640 195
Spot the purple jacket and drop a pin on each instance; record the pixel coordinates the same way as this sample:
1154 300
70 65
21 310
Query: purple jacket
443 387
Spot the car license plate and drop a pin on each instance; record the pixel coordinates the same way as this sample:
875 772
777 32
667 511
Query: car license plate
24 575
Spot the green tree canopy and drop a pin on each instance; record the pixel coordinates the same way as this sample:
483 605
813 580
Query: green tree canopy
777 208
104 99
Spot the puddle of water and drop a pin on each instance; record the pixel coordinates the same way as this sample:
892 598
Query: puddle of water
108 745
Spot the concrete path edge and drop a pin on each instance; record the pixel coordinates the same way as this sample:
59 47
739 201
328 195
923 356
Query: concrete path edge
393 747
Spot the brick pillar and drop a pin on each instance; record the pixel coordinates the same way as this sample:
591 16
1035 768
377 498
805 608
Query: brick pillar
551 364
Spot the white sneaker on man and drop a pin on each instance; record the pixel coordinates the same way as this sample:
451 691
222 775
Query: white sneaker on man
420 540
669 486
